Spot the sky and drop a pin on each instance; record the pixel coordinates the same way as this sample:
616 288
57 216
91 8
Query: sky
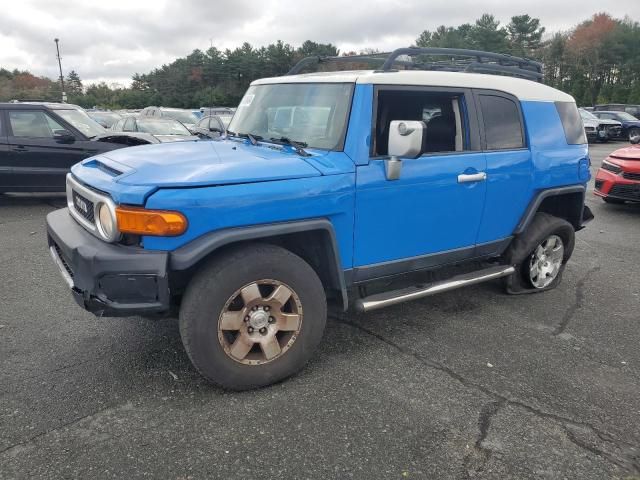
110 40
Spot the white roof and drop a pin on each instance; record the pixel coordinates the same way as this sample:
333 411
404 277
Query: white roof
520 88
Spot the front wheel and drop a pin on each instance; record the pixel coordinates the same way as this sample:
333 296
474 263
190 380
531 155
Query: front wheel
634 133
252 317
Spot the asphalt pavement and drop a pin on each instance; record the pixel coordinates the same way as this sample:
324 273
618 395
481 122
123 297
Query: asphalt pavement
469 384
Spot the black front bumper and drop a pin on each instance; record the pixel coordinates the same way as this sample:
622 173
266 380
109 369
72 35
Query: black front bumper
108 279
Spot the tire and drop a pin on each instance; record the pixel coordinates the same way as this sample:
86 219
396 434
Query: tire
220 286
522 250
633 132
613 201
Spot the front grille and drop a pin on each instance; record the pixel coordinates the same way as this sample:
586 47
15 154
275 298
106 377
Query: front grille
613 131
83 206
64 262
627 192
599 184
631 176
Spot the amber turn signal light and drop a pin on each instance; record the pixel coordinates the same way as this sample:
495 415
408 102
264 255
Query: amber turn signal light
141 221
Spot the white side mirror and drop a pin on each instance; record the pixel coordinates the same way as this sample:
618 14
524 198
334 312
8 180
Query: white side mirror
406 138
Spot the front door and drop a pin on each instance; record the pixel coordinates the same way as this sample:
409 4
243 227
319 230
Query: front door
37 160
432 213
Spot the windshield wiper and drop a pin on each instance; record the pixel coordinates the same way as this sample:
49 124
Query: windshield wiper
251 137
297 146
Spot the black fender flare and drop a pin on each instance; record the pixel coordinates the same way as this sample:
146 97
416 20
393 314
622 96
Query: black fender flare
540 196
193 252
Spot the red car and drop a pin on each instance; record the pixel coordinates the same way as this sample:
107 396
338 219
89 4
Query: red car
618 179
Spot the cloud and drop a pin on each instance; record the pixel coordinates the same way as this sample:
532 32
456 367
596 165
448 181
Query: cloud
113 40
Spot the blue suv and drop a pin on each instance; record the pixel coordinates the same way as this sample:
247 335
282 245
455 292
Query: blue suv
345 189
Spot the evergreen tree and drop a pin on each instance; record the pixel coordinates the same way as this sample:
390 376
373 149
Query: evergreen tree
525 35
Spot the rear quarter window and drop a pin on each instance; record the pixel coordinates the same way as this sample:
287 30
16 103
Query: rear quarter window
571 123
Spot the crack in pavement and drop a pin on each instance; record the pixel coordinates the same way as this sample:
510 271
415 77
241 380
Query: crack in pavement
577 304
487 412
501 400
24 443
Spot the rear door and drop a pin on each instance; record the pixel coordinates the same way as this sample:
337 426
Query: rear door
509 164
37 160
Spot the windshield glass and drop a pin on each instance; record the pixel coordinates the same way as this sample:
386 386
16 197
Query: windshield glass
627 116
105 118
81 121
162 127
313 113
183 116
587 115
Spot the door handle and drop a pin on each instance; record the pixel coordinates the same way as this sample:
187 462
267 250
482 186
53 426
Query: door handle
472 177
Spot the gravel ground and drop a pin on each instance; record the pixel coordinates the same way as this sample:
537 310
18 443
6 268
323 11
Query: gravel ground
468 384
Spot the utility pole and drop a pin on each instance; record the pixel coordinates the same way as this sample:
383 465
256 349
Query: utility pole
64 95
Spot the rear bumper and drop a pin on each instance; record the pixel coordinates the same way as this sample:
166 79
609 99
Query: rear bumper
107 279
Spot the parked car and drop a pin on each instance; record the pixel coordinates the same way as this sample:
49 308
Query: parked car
164 129
618 178
104 117
186 117
210 126
599 129
630 124
39 142
329 190
224 113
620 107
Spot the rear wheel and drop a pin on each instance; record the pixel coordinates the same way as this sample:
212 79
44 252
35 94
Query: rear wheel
634 133
540 255
252 317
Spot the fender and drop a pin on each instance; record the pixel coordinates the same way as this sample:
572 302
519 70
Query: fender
583 216
192 253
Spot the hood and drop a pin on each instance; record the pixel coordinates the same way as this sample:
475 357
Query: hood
628 153
604 121
205 163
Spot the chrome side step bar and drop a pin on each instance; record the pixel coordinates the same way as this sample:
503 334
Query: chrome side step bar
386 299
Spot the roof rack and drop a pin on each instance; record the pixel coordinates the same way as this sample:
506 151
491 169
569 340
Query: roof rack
456 60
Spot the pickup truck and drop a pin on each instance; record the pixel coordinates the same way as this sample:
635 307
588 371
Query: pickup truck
331 190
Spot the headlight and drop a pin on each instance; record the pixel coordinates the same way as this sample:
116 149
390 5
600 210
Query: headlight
106 222
610 167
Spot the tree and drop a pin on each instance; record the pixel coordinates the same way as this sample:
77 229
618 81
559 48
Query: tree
525 35
486 34
73 84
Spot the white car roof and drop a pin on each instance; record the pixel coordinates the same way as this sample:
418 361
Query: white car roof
519 88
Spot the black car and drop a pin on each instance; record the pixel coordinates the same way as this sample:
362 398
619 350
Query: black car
39 142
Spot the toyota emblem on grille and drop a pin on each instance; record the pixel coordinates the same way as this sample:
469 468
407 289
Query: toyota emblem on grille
81 204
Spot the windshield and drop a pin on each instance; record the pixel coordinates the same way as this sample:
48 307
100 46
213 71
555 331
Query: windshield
81 121
162 127
183 116
312 113
587 115
627 116
105 118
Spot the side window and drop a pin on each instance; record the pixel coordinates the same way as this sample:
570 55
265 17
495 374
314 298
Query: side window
502 123
32 124
118 125
129 125
442 113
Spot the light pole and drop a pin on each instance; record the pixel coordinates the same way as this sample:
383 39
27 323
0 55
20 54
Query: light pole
64 95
